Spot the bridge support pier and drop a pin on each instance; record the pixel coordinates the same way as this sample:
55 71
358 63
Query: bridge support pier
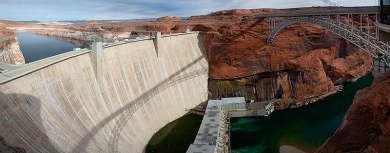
376 27
368 24
361 22
348 20
379 65
352 20
386 61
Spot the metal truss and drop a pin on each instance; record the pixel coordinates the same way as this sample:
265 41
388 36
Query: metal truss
357 37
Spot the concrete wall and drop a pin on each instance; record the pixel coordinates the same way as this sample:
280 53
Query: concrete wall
60 106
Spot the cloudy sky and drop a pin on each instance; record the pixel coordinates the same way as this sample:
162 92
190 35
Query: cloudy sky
56 10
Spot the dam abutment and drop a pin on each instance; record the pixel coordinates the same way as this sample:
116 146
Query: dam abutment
108 100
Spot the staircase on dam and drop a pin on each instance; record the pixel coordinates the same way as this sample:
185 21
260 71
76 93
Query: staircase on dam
213 135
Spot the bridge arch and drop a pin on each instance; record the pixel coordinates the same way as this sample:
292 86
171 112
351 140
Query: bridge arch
357 37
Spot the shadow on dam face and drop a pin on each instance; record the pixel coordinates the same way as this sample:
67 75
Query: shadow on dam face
126 111
4 147
24 122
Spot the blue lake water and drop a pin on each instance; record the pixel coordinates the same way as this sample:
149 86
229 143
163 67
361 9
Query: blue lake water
35 47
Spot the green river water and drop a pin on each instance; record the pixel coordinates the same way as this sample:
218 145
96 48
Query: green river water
306 127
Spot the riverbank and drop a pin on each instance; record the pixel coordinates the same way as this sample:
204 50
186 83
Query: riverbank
9 47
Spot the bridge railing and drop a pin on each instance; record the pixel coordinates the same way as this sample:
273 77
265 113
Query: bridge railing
360 35
353 35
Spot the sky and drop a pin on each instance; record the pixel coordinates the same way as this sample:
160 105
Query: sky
60 10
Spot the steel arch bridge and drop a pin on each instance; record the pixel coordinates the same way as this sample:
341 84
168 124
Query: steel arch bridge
379 50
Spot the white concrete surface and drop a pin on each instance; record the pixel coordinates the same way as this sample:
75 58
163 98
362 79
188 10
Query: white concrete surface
57 104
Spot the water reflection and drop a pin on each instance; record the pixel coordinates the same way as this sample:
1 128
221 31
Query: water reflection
35 47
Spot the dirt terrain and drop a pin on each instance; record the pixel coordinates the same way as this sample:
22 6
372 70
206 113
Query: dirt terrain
9 47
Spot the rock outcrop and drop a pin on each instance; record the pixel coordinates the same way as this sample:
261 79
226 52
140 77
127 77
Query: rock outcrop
240 50
9 47
168 18
366 126
313 59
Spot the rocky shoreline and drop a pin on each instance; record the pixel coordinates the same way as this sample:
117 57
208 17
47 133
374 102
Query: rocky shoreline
9 47
366 126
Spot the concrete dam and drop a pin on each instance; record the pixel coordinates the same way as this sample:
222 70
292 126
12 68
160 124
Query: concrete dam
112 98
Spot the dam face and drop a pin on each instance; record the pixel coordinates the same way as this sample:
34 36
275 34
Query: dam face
62 104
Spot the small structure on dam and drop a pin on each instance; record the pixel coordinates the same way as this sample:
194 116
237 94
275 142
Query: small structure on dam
213 134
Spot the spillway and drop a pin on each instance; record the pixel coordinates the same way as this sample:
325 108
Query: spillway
112 100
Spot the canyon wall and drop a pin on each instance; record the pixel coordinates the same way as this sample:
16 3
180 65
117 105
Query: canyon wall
305 64
366 126
9 47
59 105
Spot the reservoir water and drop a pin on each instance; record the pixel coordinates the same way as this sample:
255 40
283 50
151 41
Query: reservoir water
35 47
305 128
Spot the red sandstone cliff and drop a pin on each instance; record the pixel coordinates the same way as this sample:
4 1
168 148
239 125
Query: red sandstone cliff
366 126
319 59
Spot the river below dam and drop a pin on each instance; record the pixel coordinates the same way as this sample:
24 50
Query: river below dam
305 128
35 47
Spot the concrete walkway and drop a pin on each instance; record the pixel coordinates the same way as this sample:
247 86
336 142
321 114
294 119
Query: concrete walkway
213 134
211 129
